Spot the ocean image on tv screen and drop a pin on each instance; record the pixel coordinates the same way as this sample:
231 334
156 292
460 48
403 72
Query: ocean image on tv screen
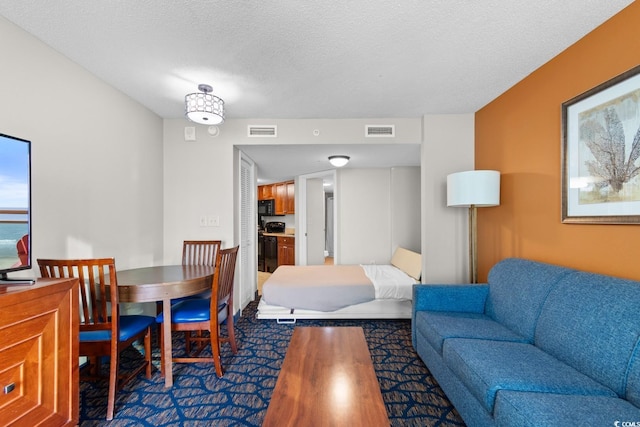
14 199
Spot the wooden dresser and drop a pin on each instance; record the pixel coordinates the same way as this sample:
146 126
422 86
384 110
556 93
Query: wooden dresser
39 366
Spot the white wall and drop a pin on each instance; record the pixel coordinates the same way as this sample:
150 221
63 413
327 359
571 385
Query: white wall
96 157
448 147
198 180
198 176
378 210
364 216
406 215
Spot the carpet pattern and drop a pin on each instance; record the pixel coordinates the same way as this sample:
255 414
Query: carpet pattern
241 397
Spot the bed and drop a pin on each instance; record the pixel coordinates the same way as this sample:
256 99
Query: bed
367 291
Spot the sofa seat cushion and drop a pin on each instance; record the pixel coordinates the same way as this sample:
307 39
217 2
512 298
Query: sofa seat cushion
518 408
486 367
438 326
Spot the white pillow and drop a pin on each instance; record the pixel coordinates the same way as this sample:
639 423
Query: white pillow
408 261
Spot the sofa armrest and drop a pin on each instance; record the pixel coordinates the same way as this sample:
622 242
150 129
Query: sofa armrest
466 298
462 298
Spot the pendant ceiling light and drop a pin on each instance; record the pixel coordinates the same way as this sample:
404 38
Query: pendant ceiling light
203 107
338 161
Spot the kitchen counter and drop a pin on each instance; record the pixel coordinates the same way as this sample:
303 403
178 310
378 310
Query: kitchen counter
279 234
275 249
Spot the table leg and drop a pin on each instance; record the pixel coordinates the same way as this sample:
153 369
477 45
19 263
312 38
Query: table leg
168 351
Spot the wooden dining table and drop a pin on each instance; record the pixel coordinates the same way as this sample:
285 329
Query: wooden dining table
164 283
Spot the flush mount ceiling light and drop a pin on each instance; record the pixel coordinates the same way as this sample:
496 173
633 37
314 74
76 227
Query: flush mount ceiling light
203 107
338 161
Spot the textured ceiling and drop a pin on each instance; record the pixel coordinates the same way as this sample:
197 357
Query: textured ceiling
321 59
313 59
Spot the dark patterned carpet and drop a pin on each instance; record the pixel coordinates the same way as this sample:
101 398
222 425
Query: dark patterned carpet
241 397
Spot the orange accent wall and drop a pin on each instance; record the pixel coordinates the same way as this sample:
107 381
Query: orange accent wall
519 134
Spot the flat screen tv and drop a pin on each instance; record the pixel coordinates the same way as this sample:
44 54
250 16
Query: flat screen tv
15 207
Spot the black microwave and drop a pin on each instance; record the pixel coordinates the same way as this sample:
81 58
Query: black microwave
267 207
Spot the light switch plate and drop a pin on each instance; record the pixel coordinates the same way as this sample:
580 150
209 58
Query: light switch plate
189 133
213 221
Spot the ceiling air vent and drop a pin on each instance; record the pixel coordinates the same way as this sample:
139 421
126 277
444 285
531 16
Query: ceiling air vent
372 131
262 131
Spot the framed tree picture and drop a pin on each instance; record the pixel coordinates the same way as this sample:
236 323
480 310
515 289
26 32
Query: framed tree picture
601 153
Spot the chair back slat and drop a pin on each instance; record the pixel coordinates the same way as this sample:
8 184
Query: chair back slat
224 276
200 252
99 308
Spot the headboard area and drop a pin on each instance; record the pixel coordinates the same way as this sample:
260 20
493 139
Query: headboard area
408 261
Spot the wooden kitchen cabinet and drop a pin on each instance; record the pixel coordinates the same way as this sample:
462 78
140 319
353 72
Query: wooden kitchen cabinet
285 198
291 197
280 195
39 366
286 250
284 194
266 192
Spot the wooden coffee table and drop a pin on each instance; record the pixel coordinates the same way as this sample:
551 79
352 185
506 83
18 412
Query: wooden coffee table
327 378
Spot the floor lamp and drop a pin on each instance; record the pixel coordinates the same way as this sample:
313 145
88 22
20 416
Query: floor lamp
473 189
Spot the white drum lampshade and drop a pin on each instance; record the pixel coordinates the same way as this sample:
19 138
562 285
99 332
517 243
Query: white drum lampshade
480 188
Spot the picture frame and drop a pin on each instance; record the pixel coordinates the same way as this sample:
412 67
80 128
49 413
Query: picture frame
601 153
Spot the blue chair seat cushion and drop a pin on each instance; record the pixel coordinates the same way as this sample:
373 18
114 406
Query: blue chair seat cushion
130 326
204 295
529 409
437 326
487 367
193 310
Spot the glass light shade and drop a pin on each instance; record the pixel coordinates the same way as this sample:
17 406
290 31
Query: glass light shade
204 108
479 188
339 161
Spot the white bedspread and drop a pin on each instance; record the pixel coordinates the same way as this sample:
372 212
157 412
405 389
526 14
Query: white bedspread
389 282
318 287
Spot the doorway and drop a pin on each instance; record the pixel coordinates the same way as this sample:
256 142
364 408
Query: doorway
307 221
329 228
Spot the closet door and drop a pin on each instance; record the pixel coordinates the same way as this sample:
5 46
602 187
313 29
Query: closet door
248 253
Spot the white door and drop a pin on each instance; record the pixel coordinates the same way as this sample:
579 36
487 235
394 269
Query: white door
247 256
329 226
315 222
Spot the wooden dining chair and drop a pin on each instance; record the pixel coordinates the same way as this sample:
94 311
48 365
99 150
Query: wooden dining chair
197 252
103 331
200 252
198 314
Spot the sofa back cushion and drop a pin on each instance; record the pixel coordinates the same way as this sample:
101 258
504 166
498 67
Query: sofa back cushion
591 322
517 290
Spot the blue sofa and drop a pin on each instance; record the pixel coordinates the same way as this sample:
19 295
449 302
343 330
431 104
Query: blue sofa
538 345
